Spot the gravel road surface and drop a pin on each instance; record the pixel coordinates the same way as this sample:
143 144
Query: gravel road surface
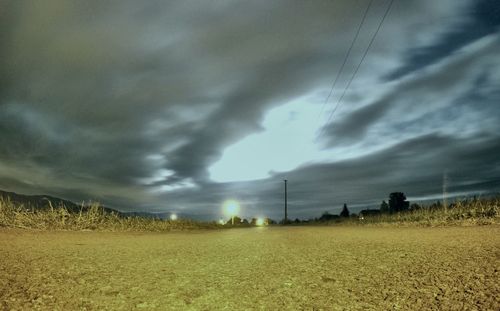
292 268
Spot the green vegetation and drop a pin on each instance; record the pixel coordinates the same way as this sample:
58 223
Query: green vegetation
92 217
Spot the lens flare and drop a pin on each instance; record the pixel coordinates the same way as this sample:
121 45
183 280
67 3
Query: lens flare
231 208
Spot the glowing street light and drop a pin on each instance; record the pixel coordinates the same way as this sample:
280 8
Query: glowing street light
173 216
231 209
260 222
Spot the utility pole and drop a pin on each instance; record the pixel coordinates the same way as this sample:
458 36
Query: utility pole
445 190
286 207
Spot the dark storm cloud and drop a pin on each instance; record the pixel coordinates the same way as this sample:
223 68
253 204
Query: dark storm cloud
242 111
480 19
113 101
415 166
95 77
458 77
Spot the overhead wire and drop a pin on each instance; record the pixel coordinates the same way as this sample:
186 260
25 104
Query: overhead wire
346 57
353 76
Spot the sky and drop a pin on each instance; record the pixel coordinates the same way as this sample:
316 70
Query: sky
178 106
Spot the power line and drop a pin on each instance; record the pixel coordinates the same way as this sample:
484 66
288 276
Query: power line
357 68
286 204
346 56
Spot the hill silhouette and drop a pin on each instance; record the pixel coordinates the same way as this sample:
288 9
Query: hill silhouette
41 201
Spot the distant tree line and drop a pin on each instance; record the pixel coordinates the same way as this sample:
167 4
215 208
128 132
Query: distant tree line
245 222
397 203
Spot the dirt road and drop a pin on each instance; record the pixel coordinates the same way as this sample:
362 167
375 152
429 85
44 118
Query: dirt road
312 268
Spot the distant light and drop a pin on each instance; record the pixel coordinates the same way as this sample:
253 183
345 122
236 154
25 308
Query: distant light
260 222
173 217
221 221
231 207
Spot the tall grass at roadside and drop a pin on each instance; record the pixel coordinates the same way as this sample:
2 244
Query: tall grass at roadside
92 217
465 212
95 217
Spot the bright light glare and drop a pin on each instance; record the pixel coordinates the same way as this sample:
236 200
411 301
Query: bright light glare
288 140
173 217
231 207
260 222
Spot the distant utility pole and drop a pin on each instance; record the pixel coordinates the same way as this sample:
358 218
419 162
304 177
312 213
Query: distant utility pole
286 207
445 190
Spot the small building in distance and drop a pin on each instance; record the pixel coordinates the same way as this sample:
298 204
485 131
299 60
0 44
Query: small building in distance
328 217
368 213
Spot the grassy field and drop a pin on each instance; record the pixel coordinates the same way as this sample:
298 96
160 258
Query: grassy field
94 217
268 268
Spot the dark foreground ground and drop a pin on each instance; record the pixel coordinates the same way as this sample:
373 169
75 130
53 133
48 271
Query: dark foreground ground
312 268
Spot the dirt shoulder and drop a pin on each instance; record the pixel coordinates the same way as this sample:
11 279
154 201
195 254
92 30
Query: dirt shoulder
331 268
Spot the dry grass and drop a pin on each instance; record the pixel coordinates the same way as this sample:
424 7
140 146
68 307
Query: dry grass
92 217
95 217
466 212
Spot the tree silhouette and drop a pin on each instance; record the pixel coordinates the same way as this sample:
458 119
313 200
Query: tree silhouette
269 221
384 207
237 221
415 207
327 217
397 202
345 211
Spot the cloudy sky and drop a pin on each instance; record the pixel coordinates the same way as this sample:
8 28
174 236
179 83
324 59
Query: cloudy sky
177 106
